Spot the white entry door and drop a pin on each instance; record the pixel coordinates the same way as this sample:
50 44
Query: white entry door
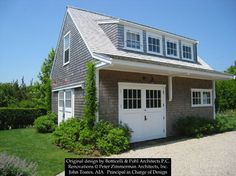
142 108
65 105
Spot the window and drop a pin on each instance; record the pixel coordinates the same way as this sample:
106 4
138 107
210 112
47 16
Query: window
68 99
153 98
201 97
131 98
187 51
66 49
61 99
133 39
154 44
172 48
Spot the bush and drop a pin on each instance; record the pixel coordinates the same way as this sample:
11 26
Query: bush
19 117
67 133
195 126
46 124
11 165
114 142
74 135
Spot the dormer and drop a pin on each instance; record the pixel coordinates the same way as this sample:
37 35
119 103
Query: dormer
133 37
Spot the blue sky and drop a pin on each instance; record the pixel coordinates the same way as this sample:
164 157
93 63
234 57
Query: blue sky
30 28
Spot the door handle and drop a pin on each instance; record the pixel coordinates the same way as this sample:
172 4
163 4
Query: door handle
145 117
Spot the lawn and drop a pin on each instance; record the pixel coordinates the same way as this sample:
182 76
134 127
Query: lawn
33 146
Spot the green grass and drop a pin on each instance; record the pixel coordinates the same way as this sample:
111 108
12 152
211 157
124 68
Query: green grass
33 146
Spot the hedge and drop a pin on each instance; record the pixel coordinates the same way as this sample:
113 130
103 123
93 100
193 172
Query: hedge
19 117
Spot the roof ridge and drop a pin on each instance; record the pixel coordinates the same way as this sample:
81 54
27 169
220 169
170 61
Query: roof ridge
76 8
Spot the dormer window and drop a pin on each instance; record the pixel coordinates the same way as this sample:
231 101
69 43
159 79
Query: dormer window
66 54
154 43
187 51
133 39
172 48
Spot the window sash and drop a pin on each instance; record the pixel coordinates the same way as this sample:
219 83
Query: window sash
133 40
187 52
172 48
66 53
201 97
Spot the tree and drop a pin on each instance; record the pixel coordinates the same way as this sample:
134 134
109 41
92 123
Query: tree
226 92
90 95
41 90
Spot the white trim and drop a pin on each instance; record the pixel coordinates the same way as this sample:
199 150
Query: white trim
167 39
201 96
182 51
64 49
135 31
140 84
214 99
69 86
156 36
170 88
166 70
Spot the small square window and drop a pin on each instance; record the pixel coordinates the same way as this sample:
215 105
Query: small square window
201 97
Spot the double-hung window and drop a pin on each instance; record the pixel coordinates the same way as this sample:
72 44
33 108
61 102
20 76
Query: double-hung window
172 48
66 54
187 51
154 43
133 39
201 97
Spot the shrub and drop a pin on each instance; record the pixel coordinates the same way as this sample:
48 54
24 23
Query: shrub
195 126
67 133
114 142
74 135
19 117
11 165
46 124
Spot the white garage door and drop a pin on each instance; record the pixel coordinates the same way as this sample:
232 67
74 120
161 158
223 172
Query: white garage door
142 108
65 104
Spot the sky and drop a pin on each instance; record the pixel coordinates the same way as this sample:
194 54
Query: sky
30 28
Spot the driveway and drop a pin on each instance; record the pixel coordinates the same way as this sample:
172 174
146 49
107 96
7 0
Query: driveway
209 156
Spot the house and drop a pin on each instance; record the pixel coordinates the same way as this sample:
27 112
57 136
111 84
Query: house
145 77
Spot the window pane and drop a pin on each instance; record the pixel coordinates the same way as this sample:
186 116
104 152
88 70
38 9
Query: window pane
61 103
125 104
133 40
125 93
66 57
67 41
68 95
68 103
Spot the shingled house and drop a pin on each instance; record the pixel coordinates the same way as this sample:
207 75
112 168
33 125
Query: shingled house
146 77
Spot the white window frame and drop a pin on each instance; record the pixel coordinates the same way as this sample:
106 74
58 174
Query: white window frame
201 96
64 49
136 31
177 47
187 45
152 35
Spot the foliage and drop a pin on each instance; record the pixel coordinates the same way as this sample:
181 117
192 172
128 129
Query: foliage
226 92
41 91
28 144
67 133
114 142
19 117
90 95
194 126
46 123
198 126
74 135
12 165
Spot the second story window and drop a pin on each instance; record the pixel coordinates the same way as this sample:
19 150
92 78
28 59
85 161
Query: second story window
172 48
154 44
66 54
187 52
133 39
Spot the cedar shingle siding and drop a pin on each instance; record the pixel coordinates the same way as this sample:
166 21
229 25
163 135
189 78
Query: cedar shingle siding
73 72
180 106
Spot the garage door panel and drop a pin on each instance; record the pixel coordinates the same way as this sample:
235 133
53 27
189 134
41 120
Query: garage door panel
142 108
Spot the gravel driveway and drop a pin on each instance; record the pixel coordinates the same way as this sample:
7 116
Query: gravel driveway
209 156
